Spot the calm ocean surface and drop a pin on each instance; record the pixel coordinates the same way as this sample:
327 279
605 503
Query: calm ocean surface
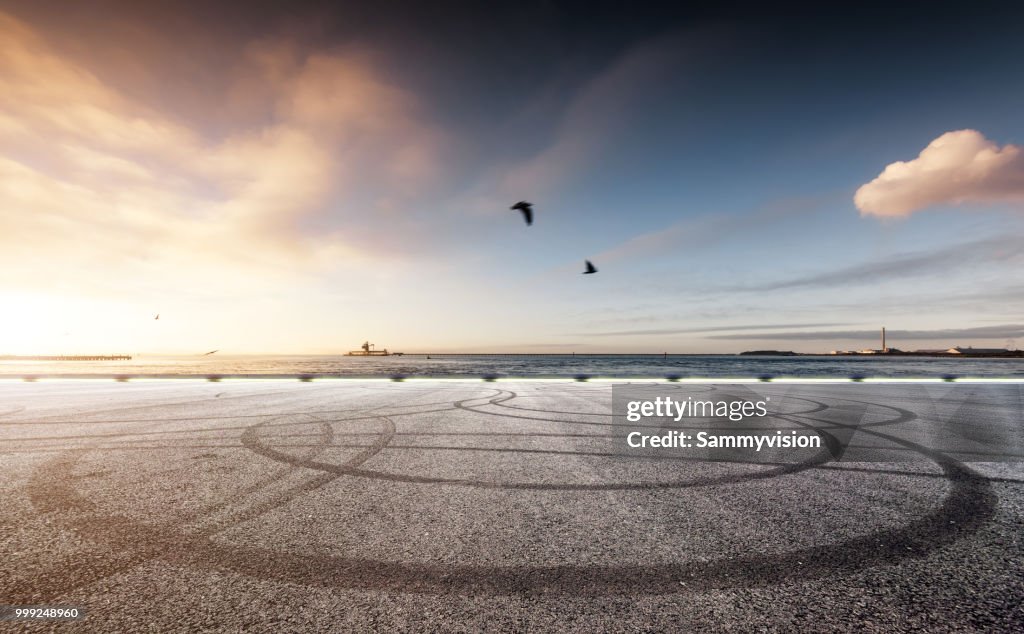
529 366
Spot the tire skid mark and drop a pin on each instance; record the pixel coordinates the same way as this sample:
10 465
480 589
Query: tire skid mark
12 412
205 430
497 401
50 491
500 403
341 469
251 438
60 419
326 436
57 420
969 505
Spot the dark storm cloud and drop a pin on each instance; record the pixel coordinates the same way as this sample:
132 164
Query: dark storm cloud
515 34
479 64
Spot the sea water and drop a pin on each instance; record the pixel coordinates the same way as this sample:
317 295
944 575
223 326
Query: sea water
477 366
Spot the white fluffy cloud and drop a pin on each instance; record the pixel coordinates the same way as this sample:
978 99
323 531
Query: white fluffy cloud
958 167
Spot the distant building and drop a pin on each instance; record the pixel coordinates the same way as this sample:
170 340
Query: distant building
970 350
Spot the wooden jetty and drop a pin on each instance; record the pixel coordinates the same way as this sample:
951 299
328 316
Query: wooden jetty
68 357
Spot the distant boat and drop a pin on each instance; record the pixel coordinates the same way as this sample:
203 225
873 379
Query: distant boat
366 350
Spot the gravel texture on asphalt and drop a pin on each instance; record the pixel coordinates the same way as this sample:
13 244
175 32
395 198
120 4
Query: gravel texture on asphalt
352 505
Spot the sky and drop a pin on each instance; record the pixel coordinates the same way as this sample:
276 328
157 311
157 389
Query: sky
296 178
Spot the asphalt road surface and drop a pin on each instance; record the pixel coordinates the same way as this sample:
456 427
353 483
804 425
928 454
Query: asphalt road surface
466 506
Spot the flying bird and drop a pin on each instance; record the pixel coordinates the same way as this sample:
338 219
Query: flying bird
527 209
211 352
590 268
157 316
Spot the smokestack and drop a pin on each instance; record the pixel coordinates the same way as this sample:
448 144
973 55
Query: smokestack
883 339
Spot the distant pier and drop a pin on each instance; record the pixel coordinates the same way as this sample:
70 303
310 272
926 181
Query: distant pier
69 357
366 350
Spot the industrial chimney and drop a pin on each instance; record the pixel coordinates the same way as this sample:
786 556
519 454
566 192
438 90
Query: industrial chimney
884 349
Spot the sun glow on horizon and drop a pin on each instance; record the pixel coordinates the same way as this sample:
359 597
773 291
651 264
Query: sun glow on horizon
40 324
271 193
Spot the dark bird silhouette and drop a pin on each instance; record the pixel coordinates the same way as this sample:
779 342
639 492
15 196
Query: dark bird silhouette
590 268
527 209
157 316
211 352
